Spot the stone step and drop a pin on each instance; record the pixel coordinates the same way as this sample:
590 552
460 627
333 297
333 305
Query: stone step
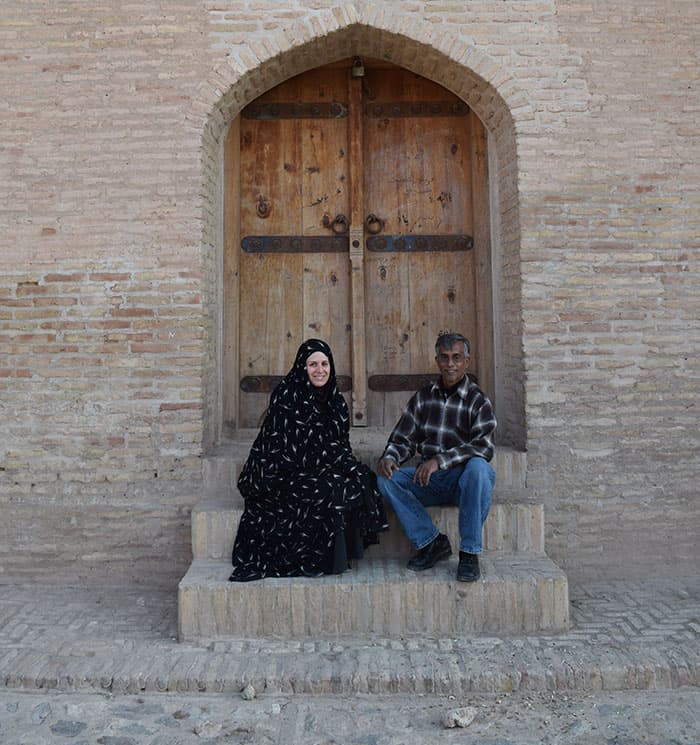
220 468
511 526
517 593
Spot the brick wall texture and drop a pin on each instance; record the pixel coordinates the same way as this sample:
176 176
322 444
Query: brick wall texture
113 117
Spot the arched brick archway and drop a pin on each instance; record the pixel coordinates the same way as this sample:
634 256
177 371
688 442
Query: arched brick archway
481 82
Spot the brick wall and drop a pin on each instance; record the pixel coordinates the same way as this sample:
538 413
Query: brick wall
113 118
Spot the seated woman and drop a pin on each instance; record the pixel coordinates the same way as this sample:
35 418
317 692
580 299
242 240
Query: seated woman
310 506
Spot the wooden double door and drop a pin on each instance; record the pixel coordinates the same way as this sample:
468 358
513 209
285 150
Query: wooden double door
356 211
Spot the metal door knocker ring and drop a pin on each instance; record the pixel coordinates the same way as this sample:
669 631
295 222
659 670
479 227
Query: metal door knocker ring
374 224
263 208
340 225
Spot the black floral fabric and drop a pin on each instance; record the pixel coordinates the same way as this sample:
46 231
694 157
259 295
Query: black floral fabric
310 505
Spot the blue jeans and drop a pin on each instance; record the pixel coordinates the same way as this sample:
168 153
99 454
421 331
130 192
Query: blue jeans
470 486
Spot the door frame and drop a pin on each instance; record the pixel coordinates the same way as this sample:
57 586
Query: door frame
230 298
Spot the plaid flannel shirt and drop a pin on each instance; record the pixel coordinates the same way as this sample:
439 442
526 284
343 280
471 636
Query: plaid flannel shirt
452 428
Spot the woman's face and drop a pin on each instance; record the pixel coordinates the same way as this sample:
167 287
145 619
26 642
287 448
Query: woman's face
318 368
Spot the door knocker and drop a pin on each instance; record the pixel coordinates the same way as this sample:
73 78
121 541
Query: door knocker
263 208
339 225
374 224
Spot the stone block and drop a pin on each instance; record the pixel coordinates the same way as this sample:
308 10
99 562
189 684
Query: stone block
510 526
518 593
220 469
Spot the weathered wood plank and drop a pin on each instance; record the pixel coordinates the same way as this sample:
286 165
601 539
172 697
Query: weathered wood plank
420 184
270 285
325 195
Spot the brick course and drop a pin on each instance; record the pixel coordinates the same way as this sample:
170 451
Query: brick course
113 119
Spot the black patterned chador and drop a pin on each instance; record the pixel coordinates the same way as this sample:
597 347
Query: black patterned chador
310 506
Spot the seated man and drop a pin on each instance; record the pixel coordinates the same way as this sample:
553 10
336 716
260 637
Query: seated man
451 424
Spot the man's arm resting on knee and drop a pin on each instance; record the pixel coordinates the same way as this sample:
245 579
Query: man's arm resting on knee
425 470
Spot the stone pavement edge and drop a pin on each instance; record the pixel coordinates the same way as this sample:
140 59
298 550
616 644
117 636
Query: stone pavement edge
624 636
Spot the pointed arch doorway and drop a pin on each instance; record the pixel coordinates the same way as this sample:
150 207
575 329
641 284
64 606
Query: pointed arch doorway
356 210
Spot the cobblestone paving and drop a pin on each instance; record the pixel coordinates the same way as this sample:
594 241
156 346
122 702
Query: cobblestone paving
601 718
624 636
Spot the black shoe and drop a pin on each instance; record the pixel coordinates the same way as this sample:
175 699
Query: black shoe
468 569
429 555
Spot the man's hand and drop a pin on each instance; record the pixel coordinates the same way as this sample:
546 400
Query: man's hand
425 470
386 467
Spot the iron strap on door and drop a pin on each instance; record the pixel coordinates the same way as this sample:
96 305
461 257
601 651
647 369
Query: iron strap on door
389 243
382 383
268 383
403 382
295 244
403 109
286 110
336 243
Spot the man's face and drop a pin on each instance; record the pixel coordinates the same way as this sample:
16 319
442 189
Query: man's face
452 364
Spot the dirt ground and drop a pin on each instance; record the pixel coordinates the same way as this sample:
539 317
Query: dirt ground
664 717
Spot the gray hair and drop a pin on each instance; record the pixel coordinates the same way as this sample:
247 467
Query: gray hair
448 340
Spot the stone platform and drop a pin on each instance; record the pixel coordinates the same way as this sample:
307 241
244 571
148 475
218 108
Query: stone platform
517 592
521 589
623 635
